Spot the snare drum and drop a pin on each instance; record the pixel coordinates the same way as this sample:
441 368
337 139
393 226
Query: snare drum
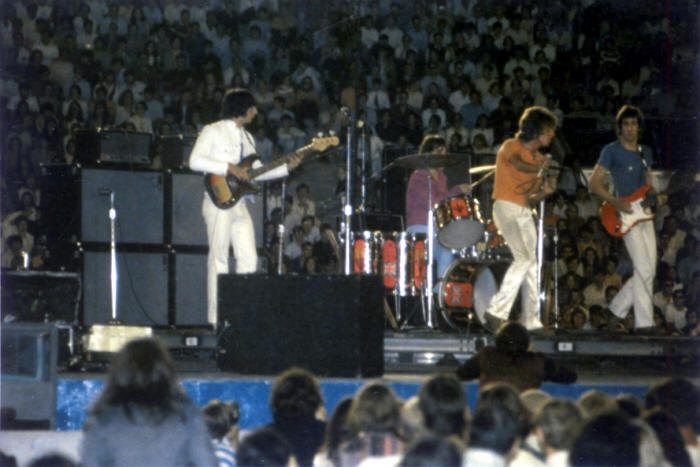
465 292
364 253
403 262
459 223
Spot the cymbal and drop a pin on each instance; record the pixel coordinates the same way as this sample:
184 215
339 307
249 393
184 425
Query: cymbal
481 168
426 161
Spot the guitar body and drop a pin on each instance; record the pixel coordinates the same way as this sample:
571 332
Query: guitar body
618 223
225 190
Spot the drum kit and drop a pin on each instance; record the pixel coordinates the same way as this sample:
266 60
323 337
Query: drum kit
403 260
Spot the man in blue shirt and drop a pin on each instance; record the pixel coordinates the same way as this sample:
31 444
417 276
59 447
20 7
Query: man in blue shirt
629 166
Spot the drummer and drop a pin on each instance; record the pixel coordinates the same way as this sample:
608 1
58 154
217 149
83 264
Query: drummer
417 199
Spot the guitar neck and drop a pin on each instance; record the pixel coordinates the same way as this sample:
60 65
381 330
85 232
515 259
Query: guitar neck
252 173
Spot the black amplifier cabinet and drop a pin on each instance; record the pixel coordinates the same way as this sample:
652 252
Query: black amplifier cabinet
113 147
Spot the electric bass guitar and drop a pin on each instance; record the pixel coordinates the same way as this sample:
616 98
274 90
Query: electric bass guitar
618 223
226 190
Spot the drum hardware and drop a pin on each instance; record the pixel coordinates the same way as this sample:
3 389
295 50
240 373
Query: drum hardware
459 222
427 161
465 292
398 257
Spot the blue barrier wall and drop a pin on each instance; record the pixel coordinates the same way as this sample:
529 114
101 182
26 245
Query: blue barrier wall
74 396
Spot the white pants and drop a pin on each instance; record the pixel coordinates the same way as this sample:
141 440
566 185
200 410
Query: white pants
518 229
227 227
641 246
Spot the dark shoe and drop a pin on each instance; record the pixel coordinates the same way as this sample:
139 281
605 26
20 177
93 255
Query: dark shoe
492 323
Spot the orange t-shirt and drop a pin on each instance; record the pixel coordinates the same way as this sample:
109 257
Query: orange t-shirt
511 184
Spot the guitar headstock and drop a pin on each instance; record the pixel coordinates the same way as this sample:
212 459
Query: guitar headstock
321 144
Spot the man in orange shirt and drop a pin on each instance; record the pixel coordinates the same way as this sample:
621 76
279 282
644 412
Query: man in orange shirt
519 183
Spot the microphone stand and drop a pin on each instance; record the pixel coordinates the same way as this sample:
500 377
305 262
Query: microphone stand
280 229
362 146
113 273
540 258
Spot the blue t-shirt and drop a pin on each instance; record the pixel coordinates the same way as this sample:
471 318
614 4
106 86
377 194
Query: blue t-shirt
626 168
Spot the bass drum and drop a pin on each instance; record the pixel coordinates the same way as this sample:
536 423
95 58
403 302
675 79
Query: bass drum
465 291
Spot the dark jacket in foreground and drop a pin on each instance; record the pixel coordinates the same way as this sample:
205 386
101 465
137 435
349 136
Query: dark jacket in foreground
523 370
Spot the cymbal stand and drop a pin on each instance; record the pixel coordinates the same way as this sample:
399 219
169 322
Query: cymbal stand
428 296
362 149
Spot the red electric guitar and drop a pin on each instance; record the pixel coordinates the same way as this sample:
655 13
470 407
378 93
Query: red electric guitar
226 190
619 223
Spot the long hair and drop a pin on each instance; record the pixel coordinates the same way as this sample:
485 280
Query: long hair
533 122
236 102
628 111
295 392
142 378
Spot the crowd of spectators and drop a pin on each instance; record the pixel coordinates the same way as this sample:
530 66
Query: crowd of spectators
465 69
374 427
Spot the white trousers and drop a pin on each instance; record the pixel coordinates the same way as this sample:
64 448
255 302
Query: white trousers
637 291
227 227
518 229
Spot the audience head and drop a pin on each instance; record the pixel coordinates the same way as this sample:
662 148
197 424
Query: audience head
220 416
533 399
500 420
608 439
593 402
512 337
431 451
629 404
411 423
336 430
264 447
678 396
52 460
557 424
443 403
375 409
142 376
668 432
295 393
495 428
